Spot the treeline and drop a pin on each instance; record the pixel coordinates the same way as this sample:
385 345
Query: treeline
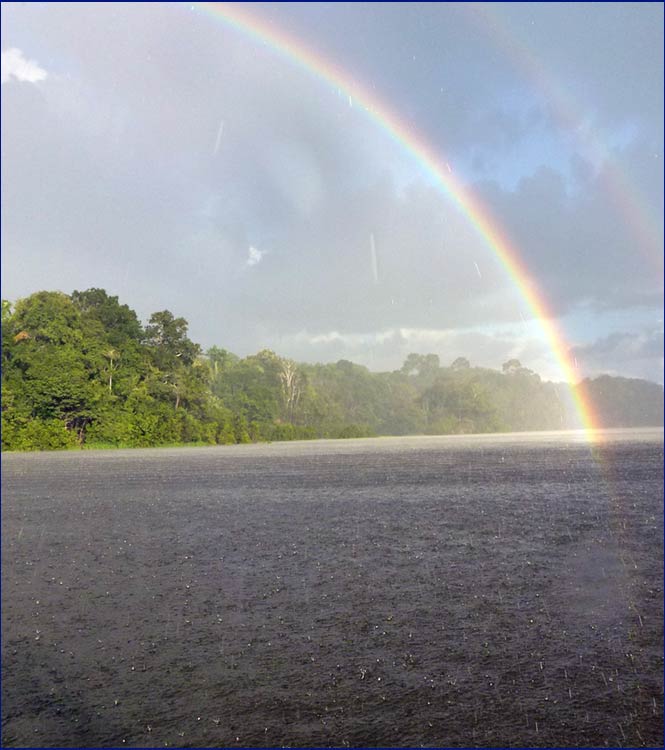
624 402
81 369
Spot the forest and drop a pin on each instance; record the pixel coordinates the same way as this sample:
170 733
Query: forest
81 370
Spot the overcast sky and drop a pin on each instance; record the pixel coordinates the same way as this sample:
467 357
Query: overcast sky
178 163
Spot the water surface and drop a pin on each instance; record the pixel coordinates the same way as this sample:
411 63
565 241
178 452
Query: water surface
490 590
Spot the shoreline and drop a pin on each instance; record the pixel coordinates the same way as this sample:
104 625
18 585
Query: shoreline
425 442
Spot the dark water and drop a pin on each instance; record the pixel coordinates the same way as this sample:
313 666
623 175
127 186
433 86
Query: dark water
456 592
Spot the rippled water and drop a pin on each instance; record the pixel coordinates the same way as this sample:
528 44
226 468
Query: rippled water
499 590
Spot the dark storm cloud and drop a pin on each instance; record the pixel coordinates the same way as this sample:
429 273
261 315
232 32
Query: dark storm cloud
577 243
640 354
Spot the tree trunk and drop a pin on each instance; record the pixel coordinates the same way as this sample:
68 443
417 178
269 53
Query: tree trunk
290 388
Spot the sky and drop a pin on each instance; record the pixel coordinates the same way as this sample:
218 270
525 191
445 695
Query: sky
181 163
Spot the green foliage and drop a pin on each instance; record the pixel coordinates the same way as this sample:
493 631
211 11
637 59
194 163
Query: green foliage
461 363
48 318
167 339
36 435
459 405
119 322
81 370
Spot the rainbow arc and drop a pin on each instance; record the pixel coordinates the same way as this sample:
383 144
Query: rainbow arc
406 136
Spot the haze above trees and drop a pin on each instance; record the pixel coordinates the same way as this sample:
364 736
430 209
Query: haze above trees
81 369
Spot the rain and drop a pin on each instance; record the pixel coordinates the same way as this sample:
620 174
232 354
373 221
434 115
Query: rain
332 375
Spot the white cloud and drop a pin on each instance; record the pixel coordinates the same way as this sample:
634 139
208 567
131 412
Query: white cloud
254 256
15 65
386 349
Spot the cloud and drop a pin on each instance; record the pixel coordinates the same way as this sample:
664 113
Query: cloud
165 185
638 354
577 245
254 256
15 65
386 349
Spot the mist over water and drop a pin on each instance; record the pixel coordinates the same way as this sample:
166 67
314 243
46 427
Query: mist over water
491 590
409 195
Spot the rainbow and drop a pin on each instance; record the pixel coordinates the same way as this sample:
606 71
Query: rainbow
625 196
402 133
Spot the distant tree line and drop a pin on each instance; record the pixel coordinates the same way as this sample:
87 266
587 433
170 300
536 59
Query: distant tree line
81 369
